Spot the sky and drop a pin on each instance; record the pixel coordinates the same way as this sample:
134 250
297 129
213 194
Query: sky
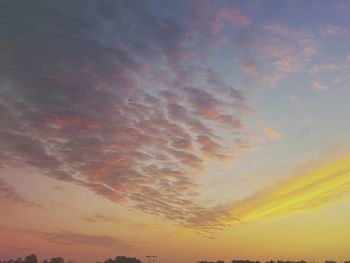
190 130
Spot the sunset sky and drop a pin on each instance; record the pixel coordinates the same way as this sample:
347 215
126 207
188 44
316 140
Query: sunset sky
190 130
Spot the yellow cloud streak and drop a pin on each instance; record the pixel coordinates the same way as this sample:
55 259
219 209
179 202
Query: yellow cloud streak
312 190
273 134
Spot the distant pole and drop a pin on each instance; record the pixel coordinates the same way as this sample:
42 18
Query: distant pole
151 259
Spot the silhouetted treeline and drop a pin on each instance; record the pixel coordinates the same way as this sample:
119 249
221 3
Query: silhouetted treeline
29 259
123 259
219 261
55 260
245 261
33 259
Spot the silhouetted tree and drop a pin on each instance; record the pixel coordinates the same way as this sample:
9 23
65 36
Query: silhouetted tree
122 259
57 260
109 260
31 259
244 261
28 259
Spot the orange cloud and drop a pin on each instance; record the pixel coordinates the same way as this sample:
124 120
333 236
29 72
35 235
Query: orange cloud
246 148
273 134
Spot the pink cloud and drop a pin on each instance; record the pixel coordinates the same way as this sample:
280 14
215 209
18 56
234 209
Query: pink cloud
294 99
230 16
212 149
308 43
234 15
209 19
250 68
288 64
318 86
277 29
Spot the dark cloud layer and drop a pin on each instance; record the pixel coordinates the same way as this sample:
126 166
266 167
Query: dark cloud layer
101 94
9 194
72 238
97 217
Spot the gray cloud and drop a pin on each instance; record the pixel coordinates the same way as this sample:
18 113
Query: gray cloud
100 94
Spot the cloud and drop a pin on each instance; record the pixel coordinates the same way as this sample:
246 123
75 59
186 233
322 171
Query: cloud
277 29
308 43
318 86
251 68
9 194
210 18
334 31
212 149
272 133
72 238
230 16
320 69
288 64
318 188
207 106
277 53
97 217
294 99
103 96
